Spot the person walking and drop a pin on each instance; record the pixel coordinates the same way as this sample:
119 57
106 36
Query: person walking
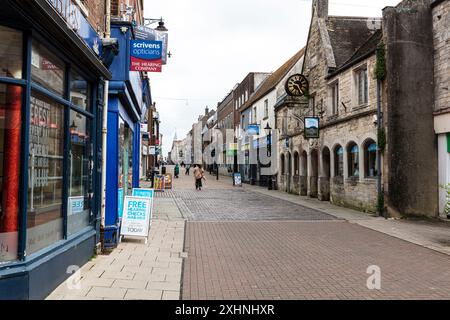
188 168
177 171
199 176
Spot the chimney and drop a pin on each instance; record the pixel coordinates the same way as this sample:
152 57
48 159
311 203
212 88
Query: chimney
321 7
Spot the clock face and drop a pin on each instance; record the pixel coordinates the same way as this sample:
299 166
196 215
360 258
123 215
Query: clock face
297 85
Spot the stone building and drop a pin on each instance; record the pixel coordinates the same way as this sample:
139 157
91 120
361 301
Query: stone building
261 111
357 66
225 123
339 62
441 43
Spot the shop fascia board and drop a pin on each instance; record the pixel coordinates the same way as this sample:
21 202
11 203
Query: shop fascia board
42 11
120 88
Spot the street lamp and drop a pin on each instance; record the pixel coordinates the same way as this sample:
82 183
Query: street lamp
269 151
161 27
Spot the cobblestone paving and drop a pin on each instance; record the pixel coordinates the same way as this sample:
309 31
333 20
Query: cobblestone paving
234 205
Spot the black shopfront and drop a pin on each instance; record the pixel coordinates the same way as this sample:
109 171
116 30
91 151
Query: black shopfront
50 146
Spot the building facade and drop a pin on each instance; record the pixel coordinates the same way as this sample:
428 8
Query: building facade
441 36
51 101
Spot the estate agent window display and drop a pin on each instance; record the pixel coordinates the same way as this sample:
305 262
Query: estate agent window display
60 118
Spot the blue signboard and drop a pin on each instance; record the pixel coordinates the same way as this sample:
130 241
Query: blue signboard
253 129
143 193
120 202
146 55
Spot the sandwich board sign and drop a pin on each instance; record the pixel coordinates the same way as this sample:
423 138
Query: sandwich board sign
237 180
145 193
136 217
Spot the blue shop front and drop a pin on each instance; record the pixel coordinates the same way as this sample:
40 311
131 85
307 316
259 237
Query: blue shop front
129 97
51 76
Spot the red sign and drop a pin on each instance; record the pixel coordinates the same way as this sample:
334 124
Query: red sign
145 65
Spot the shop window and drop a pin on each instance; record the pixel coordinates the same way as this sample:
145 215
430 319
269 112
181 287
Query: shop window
353 160
125 158
10 53
339 161
334 98
10 135
80 92
46 69
362 86
370 158
81 166
45 178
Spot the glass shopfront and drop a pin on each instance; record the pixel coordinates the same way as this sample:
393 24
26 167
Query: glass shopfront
59 190
125 158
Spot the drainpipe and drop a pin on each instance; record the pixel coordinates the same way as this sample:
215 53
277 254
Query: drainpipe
379 126
105 132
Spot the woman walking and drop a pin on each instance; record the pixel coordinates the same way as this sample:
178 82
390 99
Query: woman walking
199 176
177 170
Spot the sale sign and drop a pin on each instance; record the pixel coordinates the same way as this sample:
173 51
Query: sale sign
146 55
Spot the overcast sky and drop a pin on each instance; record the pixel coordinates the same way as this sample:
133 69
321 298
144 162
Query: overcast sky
216 43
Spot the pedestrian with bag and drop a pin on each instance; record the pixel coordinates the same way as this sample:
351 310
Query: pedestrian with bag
199 176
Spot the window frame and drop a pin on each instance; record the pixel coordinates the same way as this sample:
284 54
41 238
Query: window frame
357 84
28 37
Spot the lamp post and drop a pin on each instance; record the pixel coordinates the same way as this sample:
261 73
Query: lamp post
161 27
269 151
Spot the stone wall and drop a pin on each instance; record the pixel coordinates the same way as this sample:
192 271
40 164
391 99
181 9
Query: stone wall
411 182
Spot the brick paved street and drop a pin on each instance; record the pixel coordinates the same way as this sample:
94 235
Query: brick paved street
242 244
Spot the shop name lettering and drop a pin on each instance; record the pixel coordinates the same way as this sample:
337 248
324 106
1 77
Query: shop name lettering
69 11
136 210
38 146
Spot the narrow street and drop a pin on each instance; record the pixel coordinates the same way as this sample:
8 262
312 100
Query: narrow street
243 245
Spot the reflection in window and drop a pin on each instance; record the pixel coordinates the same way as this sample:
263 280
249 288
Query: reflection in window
80 92
45 172
10 53
10 134
46 69
81 166
339 161
370 157
353 160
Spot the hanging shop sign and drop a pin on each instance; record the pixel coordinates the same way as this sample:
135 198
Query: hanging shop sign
311 127
72 13
253 129
136 217
237 179
146 33
146 55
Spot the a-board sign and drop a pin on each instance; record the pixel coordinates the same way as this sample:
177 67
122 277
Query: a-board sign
120 202
136 216
159 182
237 180
168 181
145 193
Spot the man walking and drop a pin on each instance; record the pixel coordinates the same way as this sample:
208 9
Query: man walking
199 176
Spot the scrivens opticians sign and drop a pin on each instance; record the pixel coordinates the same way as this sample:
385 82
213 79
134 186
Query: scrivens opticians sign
146 55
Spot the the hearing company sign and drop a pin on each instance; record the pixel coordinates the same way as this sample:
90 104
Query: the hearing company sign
146 55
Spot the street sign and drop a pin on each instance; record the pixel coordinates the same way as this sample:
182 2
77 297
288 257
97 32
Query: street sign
136 217
146 55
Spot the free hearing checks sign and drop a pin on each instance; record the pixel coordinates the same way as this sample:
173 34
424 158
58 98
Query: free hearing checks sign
146 55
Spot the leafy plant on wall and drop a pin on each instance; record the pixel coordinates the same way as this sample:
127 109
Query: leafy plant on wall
447 204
